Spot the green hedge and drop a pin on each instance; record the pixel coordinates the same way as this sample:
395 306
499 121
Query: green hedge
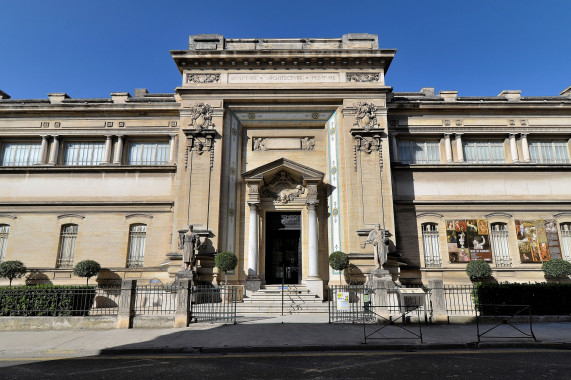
46 300
544 298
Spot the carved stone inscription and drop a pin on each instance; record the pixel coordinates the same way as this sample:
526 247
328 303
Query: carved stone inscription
286 77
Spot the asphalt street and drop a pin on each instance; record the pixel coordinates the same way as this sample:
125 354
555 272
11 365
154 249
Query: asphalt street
461 364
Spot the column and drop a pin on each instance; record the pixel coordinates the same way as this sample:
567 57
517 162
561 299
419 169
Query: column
513 148
54 151
525 148
447 147
459 147
107 154
171 149
395 147
253 241
118 151
312 241
43 150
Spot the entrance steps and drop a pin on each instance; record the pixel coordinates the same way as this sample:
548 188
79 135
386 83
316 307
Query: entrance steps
296 299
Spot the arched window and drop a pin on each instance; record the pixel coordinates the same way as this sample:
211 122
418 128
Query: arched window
430 245
137 240
4 231
68 238
566 240
500 247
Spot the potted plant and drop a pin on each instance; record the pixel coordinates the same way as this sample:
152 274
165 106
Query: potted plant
12 269
226 261
339 261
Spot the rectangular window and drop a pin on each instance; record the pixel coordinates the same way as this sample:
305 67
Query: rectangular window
430 245
484 152
84 153
4 231
137 239
21 154
566 240
549 152
499 236
67 246
419 152
148 153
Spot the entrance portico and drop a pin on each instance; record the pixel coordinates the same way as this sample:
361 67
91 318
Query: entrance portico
288 187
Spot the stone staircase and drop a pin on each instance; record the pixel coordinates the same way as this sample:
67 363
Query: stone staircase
296 299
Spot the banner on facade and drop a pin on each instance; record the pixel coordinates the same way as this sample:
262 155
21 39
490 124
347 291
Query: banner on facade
468 239
537 240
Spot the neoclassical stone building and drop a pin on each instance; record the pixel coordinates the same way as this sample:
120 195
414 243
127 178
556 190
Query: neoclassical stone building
285 150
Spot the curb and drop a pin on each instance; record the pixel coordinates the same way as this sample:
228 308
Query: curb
361 347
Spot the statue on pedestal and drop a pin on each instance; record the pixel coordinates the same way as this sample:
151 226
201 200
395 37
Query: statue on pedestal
380 242
189 243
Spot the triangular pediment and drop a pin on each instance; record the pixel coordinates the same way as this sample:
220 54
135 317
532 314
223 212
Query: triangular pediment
272 168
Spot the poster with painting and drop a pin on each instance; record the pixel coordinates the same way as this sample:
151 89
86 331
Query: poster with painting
468 240
452 240
537 240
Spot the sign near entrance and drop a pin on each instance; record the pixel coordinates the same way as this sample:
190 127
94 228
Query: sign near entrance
342 300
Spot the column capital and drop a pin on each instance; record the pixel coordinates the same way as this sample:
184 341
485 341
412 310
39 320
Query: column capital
523 135
458 135
311 204
448 135
512 135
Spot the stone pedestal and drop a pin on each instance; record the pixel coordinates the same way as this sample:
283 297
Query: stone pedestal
174 260
251 285
381 282
438 301
185 275
315 286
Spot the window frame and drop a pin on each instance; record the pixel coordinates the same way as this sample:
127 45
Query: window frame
4 234
161 150
489 160
500 244
67 244
565 234
541 143
33 155
136 256
411 144
431 240
100 159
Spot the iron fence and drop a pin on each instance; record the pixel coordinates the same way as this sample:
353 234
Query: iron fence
155 300
106 300
349 303
214 304
47 301
459 300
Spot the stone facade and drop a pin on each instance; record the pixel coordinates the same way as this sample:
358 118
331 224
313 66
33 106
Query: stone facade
305 130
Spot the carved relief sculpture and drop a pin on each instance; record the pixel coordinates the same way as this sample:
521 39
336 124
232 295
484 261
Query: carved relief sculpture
362 77
282 188
203 78
201 115
307 143
366 116
258 143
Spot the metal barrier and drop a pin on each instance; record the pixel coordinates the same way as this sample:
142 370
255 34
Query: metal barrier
155 300
459 300
379 318
213 304
349 303
505 313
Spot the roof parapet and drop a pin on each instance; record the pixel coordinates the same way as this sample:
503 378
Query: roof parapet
120 97
427 91
448 96
511 95
4 95
566 92
58 97
141 92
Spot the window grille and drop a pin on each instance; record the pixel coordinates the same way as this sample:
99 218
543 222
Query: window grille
419 152
566 240
148 153
21 154
549 152
484 152
4 231
67 245
84 153
430 244
500 247
137 240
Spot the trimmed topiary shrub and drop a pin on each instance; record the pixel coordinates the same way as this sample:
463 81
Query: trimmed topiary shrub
12 269
226 261
478 270
556 268
87 269
339 261
46 300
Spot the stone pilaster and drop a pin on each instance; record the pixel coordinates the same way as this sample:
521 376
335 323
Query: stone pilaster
525 148
118 156
513 148
54 151
448 148
459 147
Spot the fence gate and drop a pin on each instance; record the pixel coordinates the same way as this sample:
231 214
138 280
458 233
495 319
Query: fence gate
213 304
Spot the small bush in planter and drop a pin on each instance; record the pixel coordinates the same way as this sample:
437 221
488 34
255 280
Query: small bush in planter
12 269
339 261
87 268
556 268
226 261
478 270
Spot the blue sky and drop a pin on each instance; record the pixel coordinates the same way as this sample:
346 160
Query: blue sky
93 48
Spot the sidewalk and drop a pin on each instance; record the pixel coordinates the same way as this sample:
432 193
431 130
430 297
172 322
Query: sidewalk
309 332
